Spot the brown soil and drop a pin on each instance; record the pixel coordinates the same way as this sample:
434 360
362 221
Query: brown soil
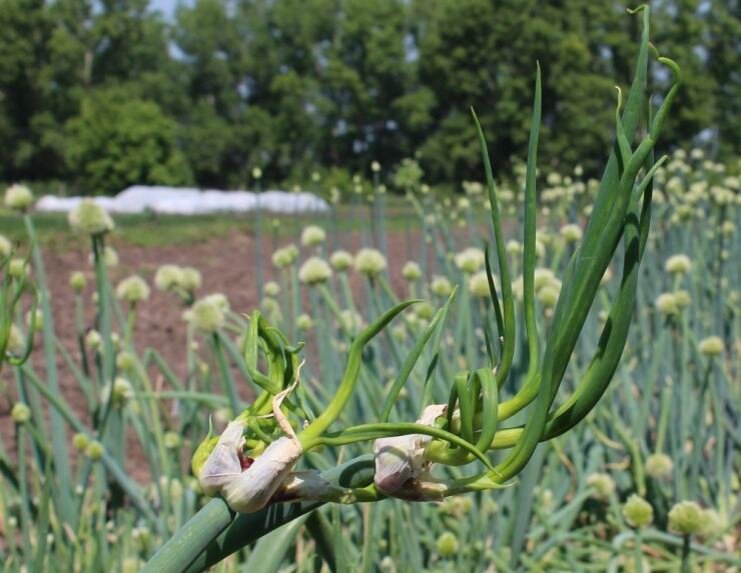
227 265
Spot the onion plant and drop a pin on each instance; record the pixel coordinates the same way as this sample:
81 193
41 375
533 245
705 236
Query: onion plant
250 467
505 388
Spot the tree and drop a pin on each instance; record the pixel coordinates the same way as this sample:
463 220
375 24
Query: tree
24 150
118 140
294 86
723 59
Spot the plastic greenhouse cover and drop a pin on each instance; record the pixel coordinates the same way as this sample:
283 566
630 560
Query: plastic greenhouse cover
189 201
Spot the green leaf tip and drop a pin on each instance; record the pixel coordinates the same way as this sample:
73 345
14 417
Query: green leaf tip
637 9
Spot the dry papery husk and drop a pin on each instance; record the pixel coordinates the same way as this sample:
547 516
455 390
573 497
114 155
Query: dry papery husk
401 468
222 465
252 489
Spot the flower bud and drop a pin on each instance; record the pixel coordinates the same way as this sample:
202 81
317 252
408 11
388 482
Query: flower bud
470 260
18 197
544 277
132 289
77 281
714 523
18 268
15 345
285 256
271 288
304 322
411 271
93 340
514 248
270 305
456 506
341 261
20 413
370 262
168 277
548 296
571 233
666 304
447 545
711 346
312 236
125 361
424 311
478 285
80 441
682 299
209 313
659 466
638 512
171 440
190 279
728 228
89 218
122 393
539 248
37 317
687 518
314 271
94 450
5 247
678 264
399 332
602 486
441 286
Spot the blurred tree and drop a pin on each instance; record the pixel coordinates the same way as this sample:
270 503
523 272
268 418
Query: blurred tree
287 43
723 59
118 140
24 148
482 54
294 86
366 82
682 35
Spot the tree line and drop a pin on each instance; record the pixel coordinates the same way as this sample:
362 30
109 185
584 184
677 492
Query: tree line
99 94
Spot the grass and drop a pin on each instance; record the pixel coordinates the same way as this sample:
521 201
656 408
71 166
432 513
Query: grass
155 230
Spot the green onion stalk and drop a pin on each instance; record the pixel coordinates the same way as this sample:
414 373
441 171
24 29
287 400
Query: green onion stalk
250 469
13 348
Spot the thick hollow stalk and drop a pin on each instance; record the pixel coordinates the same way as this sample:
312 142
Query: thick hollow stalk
190 541
200 543
58 436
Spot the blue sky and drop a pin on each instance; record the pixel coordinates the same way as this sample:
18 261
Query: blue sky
167 7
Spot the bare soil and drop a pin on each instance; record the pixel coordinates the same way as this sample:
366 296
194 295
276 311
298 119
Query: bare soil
228 266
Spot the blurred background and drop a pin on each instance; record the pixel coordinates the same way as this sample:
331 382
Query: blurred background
364 106
99 95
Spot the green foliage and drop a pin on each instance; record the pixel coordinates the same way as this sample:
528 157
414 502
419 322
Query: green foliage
117 141
295 86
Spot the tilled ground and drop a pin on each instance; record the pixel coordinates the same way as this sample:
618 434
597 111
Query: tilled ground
227 265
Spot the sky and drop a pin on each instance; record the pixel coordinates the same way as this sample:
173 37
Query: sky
167 7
